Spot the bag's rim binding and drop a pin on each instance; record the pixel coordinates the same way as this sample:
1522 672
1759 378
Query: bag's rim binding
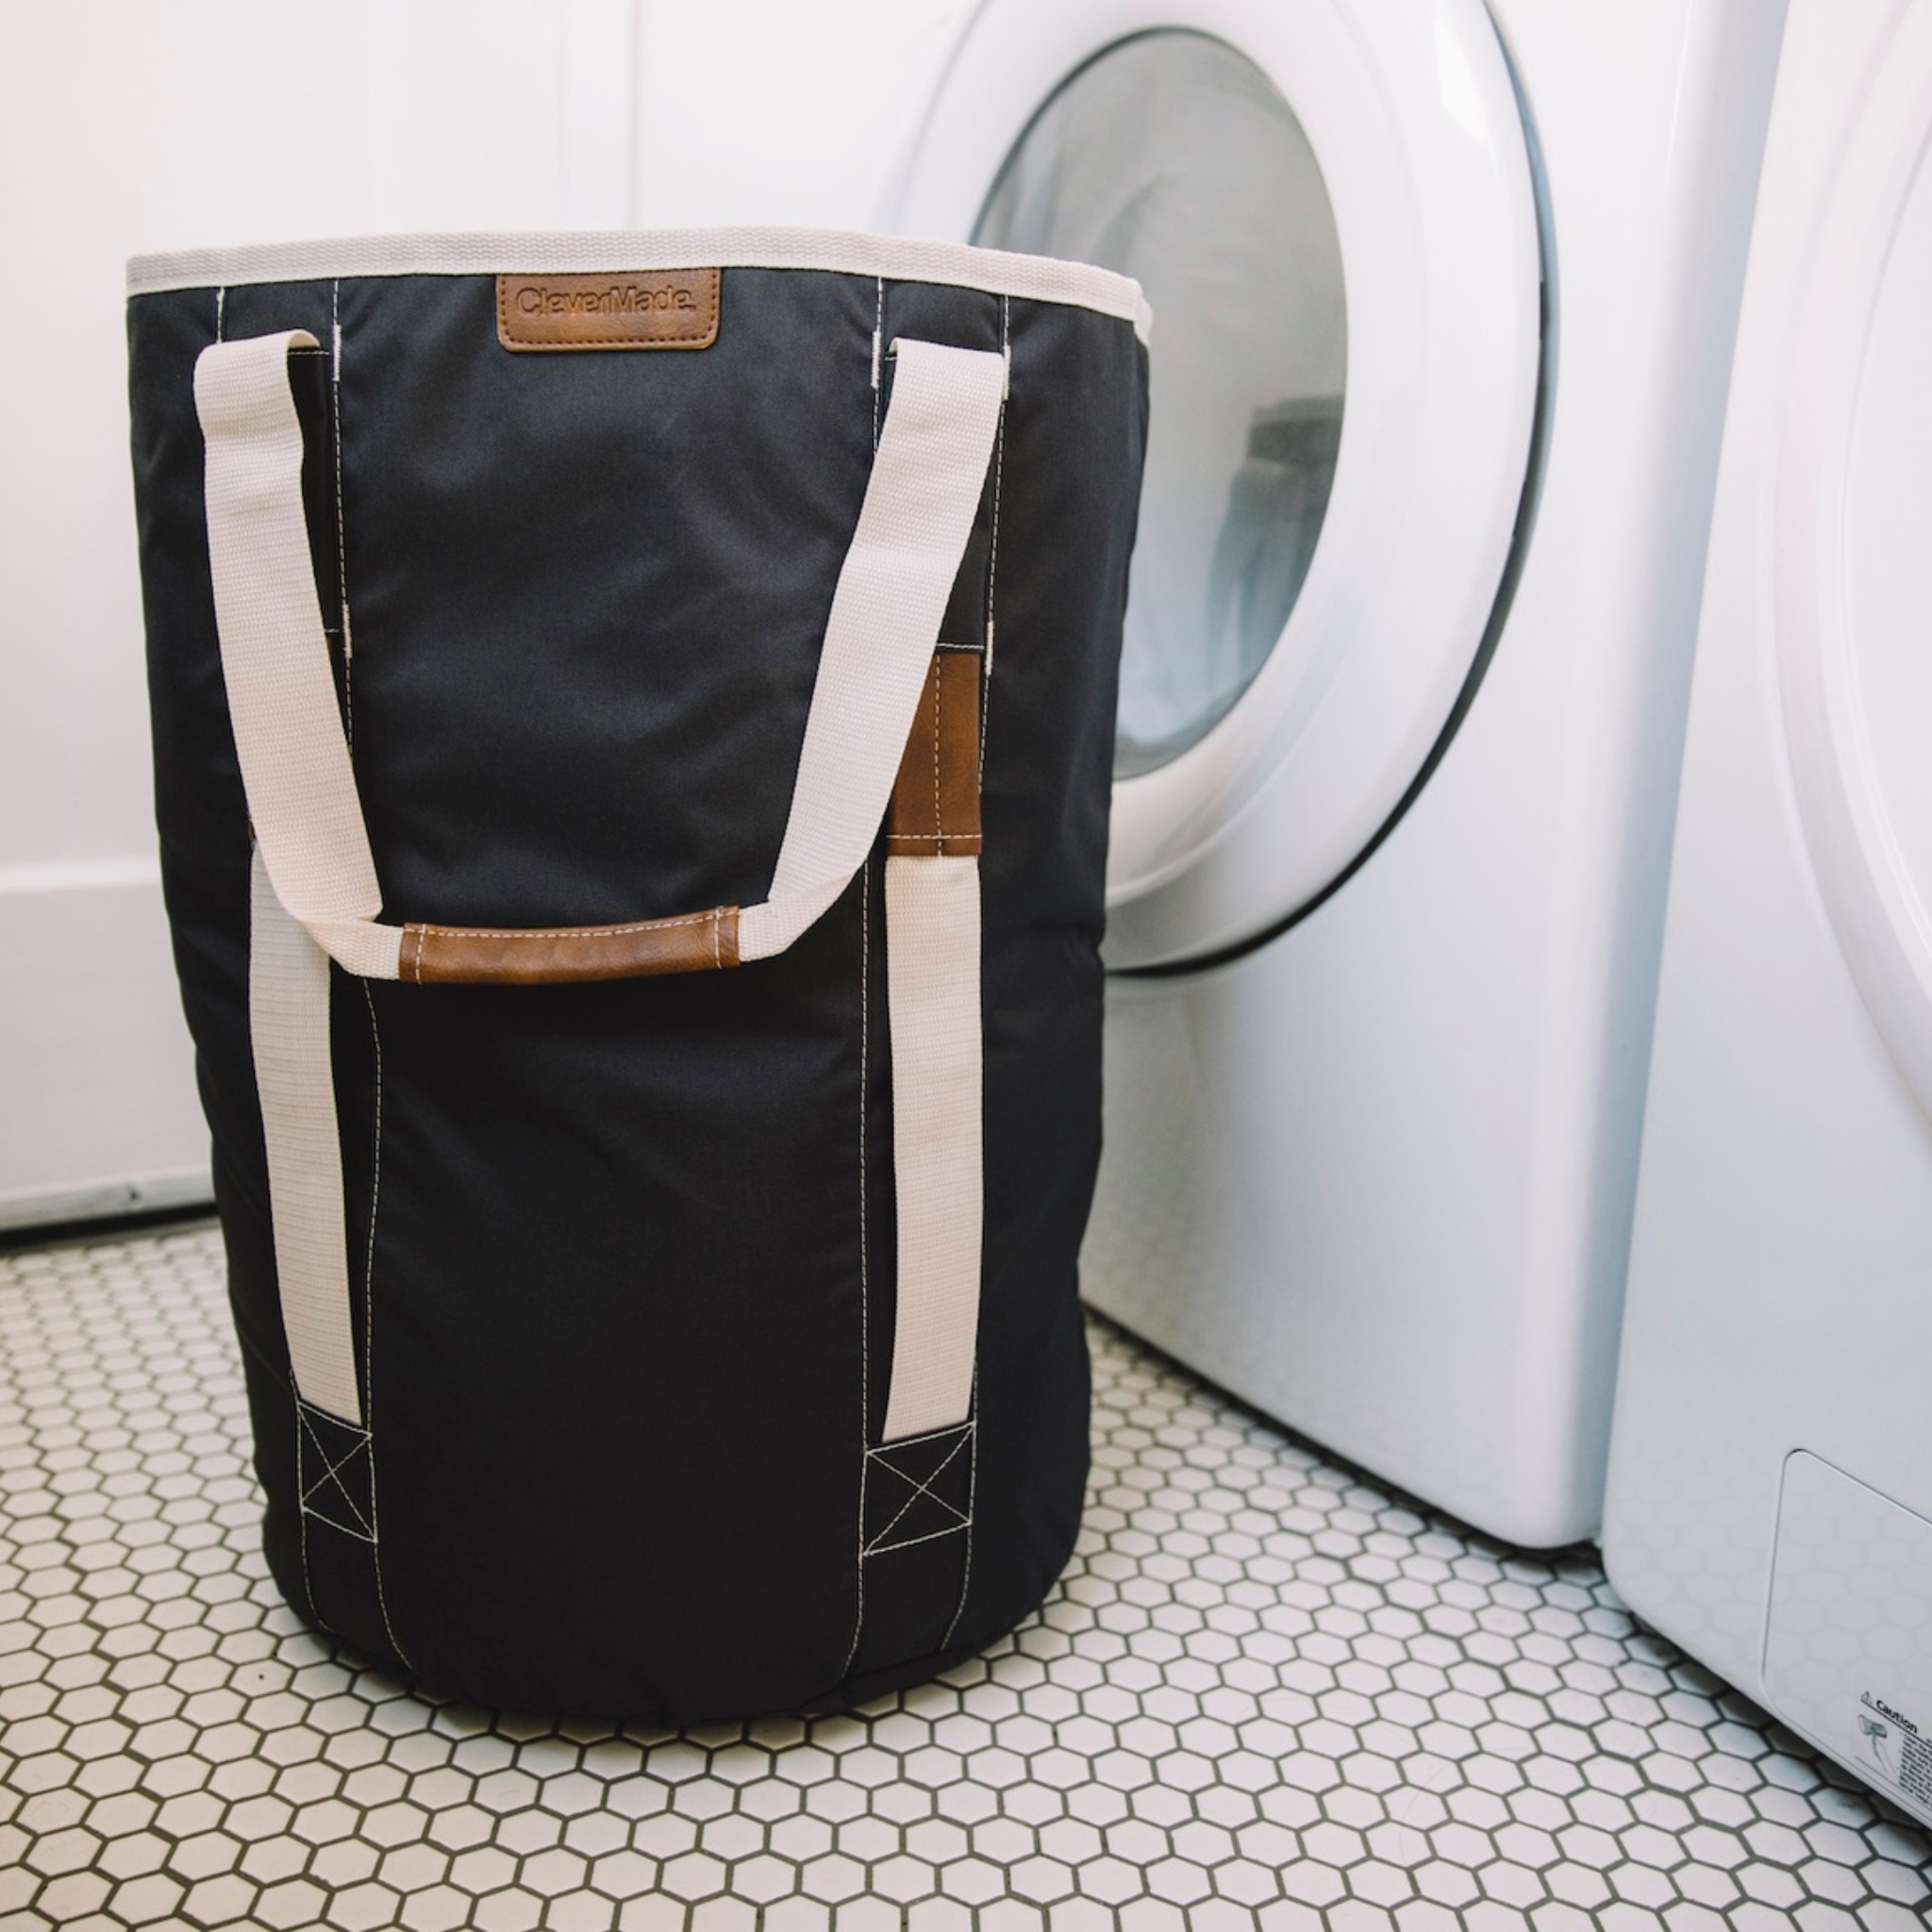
896 257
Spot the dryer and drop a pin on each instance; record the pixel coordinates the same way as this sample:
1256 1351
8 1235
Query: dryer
1769 1503
1444 298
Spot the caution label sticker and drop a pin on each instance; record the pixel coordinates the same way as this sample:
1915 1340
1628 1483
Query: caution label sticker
1891 1746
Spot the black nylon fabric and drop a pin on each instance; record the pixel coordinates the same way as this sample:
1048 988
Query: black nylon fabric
623 1254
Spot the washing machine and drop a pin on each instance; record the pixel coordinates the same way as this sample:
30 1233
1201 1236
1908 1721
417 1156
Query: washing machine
1770 1502
1444 298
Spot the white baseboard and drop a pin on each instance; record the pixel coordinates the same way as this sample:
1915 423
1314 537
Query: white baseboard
98 1111
142 1193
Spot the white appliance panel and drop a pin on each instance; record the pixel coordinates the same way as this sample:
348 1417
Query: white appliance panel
1768 1424
1376 1175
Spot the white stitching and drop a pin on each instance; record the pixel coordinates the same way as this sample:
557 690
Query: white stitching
864 1106
864 1195
335 291
924 1482
375 1030
921 1488
939 817
932 1535
878 336
341 1528
221 305
993 551
878 328
864 1298
332 1471
301 1522
993 558
971 1510
899 1444
558 932
332 1479
369 1340
323 1451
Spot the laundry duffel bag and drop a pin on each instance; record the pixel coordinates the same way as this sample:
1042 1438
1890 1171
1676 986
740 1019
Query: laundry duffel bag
633 719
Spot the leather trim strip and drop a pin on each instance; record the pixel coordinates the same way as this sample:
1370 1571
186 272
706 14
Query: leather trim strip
935 807
566 954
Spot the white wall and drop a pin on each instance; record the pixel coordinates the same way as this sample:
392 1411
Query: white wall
754 111
135 125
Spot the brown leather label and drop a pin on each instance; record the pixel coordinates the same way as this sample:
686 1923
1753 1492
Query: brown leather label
661 309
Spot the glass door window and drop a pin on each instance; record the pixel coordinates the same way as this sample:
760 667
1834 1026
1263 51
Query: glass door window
1174 159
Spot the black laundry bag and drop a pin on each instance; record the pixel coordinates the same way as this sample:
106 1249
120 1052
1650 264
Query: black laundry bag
633 720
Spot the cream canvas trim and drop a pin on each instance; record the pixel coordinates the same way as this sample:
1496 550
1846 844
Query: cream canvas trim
896 257
932 981
287 1027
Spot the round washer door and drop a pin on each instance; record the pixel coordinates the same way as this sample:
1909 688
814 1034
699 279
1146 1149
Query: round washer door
1853 570
1330 208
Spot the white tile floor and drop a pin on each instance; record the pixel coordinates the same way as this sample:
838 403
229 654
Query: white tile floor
1266 1693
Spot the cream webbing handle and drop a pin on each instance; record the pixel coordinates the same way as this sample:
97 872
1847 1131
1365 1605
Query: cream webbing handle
274 655
913 526
315 895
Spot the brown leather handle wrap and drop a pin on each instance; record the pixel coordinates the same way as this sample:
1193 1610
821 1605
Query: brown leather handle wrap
565 954
935 807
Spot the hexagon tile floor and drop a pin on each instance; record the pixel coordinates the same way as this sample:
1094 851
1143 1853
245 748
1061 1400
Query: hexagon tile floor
1266 1693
